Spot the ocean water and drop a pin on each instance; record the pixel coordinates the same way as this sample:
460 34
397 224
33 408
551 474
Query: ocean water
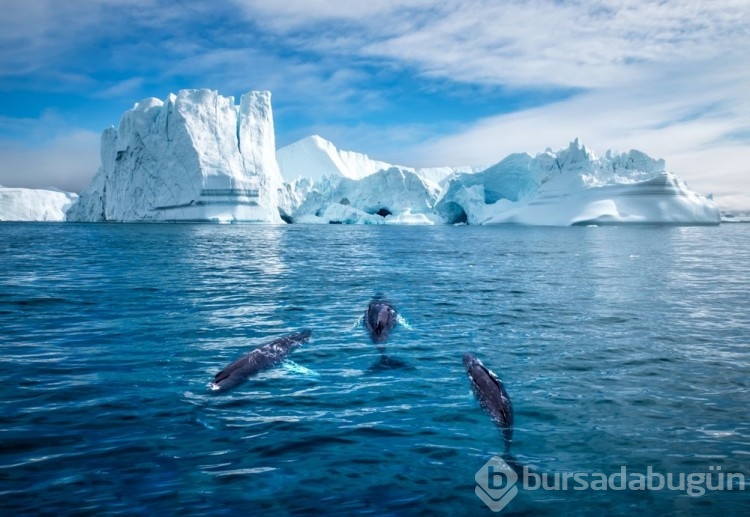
620 347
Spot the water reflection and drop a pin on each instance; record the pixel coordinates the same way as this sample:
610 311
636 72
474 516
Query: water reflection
627 266
234 273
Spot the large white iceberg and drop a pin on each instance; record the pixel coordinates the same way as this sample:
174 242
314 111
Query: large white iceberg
664 199
196 156
574 187
25 204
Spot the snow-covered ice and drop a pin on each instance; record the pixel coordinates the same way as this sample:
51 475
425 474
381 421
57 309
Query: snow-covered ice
664 199
315 158
575 187
25 204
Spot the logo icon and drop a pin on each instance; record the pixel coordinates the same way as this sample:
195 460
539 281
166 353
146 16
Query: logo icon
496 484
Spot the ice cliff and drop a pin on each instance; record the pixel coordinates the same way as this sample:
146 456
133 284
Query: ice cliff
195 156
25 204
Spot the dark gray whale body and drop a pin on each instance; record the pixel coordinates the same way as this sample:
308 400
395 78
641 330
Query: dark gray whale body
259 359
492 396
380 319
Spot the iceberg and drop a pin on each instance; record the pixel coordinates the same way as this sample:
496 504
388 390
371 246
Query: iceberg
575 187
735 217
664 199
195 156
328 185
569 187
391 195
315 158
25 204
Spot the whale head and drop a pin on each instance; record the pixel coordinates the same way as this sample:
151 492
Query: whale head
383 317
380 319
470 361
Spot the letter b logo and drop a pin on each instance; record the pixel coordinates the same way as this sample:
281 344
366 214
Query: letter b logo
496 484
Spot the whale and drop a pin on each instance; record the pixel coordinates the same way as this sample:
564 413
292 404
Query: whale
262 358
380 318
492 396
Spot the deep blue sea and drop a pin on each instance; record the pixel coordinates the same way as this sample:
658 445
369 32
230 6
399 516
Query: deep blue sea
619 346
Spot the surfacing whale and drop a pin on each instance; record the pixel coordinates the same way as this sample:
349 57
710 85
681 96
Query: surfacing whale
492 396
261 358
380 319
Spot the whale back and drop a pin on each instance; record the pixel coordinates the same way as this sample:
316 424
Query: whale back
492 396
261 358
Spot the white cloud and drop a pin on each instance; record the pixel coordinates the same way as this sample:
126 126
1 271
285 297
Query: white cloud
34 34
47 45
294 15
518 43
127 87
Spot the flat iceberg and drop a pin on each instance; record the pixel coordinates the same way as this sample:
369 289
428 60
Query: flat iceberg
25 204
664 199
740 217
195 156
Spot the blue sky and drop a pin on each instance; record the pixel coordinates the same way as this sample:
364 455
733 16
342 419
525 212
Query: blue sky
414 82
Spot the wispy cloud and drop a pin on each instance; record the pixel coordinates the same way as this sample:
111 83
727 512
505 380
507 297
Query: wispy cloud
70 46
517 43
127 87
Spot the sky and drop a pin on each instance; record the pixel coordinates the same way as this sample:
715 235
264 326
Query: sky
413 82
